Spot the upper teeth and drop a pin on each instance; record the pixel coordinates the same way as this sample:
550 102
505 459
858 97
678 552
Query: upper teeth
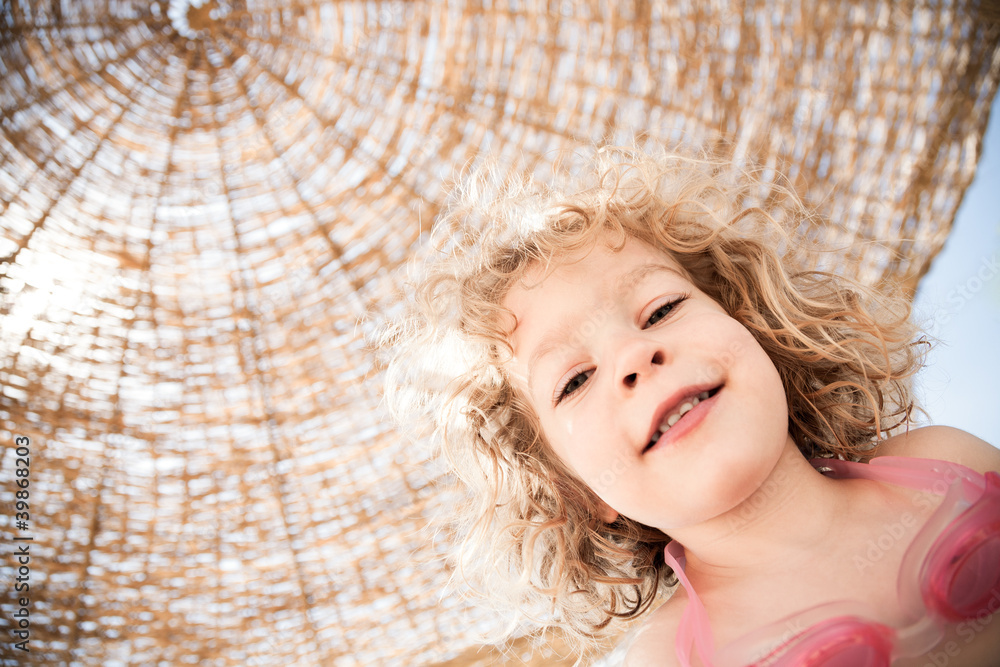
681 410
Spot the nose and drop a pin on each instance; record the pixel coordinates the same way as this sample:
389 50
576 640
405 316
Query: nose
638 360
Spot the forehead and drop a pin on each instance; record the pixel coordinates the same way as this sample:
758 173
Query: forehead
597 267
552 299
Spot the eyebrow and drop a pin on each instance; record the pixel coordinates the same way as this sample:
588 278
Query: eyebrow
555 337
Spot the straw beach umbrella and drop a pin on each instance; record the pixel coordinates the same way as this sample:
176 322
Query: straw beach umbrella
203 205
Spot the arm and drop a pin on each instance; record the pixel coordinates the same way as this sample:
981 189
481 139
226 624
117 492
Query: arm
944 443
652 645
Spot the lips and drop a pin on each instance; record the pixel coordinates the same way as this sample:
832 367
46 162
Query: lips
672 412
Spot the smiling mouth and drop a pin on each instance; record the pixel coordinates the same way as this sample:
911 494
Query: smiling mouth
675 415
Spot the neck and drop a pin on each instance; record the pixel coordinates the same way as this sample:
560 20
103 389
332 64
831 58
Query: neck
790 516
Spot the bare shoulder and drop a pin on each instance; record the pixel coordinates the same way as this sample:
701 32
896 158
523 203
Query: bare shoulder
944 443
652 645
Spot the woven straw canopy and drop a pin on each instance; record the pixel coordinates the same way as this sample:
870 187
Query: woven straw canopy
202 203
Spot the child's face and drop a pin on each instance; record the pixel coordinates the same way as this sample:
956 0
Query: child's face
611 346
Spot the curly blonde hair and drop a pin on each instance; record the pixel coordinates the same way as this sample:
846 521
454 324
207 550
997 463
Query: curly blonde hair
531 535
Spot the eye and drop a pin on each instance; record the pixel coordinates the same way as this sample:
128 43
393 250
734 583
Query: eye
664 311
571 385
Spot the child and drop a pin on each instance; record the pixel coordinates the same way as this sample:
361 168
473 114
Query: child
632 385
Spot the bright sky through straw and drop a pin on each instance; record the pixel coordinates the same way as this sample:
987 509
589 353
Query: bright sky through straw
959 302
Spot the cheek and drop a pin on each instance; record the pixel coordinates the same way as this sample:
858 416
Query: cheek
768 380
739 342
563 435
578 441
739 347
